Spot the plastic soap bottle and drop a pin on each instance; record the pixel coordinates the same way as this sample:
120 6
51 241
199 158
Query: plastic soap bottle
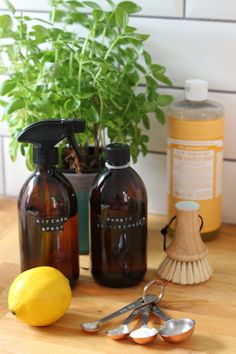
118 222
195 154
47 204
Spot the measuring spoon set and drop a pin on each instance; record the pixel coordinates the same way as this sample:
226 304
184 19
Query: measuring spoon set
172 331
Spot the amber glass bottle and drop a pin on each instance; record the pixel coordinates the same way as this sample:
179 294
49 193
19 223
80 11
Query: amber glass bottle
47 204
118 220
48 220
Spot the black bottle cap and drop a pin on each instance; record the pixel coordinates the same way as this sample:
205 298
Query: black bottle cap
117 154
47 133
45 156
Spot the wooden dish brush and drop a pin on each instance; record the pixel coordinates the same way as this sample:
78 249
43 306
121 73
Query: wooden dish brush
186 261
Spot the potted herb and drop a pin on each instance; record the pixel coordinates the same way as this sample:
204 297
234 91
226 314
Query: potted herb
93 73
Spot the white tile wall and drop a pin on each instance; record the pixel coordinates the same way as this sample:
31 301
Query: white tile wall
16 173
1 168
192 38
152 170
197 49
3 128
149 7
162 7
229 192
211 9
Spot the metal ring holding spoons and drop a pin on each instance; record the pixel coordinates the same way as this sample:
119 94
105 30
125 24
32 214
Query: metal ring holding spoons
156 282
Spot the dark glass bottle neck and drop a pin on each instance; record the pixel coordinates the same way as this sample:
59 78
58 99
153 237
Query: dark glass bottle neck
45 169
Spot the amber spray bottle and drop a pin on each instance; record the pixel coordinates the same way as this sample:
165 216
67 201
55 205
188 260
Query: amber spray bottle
47 204
118 222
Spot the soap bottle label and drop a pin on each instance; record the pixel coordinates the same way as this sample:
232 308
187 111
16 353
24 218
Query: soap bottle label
194 166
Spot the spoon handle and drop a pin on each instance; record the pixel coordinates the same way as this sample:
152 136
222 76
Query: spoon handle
132 316
159 313
145 315
142 301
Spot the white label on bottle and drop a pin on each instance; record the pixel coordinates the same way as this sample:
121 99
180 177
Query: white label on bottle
51 224
196 169
219 163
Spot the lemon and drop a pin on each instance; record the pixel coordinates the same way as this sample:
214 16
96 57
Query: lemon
39 296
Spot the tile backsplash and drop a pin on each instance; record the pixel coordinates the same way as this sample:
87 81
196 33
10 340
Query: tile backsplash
193 39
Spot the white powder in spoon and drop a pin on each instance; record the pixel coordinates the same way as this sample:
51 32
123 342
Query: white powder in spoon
143 332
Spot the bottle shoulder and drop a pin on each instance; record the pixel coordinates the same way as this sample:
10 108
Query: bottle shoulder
119 181
189 110
51 188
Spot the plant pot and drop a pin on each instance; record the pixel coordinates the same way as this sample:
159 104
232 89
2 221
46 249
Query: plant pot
81 184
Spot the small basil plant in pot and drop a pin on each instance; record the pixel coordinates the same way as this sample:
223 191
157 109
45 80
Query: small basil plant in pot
84 62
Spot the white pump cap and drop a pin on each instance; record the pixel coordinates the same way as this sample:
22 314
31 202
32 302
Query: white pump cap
196 90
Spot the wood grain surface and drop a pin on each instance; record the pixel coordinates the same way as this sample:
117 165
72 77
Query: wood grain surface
212 304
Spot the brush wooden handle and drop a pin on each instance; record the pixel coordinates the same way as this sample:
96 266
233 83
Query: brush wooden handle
187 245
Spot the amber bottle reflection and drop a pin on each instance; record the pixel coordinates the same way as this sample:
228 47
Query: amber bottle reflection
118 219
48 220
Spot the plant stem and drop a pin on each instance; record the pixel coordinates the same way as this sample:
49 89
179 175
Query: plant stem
53 14
70 65
107 54
136 85
81 61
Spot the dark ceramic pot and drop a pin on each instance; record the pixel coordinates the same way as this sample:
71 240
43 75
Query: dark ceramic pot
82 184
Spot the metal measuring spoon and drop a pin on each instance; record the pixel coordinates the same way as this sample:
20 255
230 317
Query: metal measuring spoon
174 331
123 330
144 334
142 301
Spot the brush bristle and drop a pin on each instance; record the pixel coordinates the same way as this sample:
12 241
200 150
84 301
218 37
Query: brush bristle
185 272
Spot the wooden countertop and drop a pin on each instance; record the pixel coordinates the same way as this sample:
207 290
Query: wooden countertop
212 304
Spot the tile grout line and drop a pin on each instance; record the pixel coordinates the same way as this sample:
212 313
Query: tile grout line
163 153
180 18
182 88
184 8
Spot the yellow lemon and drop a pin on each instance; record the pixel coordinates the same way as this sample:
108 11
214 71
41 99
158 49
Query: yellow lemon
39 296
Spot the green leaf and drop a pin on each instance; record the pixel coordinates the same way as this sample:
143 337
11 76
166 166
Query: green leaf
13 147
160 115
144 149
147 58
145 139
145 120
58 15
14 105
92 4
5 23
72 105
164 100
3 103
157 70
81 18
98 15
93 115
85 95
134 152
129 6
164 79
121 17
139 36
130 29
140 68
40 29
151 83
9 6
111 3
7 86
